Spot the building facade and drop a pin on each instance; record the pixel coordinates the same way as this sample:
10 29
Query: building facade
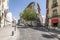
35 6
9 19
13 22
53 13
3 12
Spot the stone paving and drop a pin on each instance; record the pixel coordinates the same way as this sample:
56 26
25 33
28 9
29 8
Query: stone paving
25 34
32 34
6 33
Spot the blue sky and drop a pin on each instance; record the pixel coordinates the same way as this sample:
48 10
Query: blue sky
16 6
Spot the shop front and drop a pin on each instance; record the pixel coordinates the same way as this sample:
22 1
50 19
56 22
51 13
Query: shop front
54 22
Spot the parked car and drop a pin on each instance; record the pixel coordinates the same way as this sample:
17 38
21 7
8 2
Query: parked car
21 25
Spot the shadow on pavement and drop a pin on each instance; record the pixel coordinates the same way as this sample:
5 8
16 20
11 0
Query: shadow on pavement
40 29
23 27
47 36
44 29
54 30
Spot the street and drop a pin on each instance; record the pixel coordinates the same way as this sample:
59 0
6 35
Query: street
29 20
29 33
25 33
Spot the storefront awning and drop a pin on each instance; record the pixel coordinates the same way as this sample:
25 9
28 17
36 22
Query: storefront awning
54 20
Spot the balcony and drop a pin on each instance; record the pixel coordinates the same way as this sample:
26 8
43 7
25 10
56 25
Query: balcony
54 5
56 15
49 17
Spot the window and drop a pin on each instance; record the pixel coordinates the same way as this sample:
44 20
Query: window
2 14
33 6
55 12
54 3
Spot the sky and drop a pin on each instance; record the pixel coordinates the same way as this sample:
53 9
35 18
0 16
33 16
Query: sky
17 6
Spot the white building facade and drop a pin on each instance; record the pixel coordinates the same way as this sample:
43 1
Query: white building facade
9 19
3 12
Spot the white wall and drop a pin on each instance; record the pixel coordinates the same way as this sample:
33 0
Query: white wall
9 18
2 23
6 4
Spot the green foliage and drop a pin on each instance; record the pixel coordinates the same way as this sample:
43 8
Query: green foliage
29 14
21 14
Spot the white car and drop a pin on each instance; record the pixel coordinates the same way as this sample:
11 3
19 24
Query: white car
21 25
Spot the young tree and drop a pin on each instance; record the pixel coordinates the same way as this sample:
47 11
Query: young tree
29 15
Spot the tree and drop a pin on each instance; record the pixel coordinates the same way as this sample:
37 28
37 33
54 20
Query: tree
29 15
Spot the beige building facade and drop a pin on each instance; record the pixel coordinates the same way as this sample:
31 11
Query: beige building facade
3 12
53 13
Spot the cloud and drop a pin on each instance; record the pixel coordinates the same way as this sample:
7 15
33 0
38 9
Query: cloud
43 16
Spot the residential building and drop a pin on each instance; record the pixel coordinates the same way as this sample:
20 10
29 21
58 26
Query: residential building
53 13
35 6
3 12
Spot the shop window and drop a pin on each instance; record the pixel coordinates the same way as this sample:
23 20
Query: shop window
55 4
55 24
54 12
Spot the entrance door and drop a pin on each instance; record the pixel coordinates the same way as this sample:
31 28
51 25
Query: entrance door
55 24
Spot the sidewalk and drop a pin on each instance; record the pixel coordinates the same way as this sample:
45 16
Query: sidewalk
6 32
54 31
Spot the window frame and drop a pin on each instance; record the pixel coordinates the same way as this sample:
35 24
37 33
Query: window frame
55 12
55 4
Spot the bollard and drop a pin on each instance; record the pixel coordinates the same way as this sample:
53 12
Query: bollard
14 28
12 33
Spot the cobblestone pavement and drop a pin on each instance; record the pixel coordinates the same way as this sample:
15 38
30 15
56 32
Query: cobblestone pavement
32 34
